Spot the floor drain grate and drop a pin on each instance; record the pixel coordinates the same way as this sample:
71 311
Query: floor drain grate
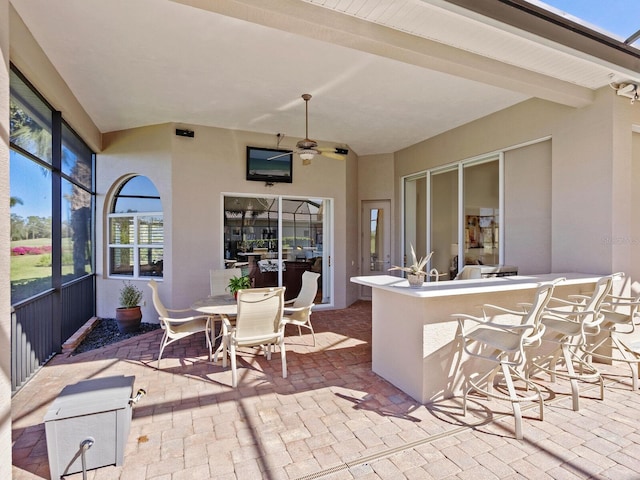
365 461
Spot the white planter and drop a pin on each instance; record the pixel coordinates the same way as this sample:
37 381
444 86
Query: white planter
415 281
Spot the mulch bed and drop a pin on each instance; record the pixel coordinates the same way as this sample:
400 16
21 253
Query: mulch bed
106 332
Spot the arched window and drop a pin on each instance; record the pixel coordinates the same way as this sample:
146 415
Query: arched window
136 230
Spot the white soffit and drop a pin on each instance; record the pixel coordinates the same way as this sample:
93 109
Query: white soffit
446 23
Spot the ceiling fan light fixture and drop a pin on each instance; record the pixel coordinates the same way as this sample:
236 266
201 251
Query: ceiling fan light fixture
306 155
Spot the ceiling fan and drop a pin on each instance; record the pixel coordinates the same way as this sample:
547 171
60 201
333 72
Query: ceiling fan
307 148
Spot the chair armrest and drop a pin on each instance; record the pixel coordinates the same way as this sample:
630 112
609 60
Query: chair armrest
461 317
179 310
464 316
520 313
178 321
300 314
579 296
563 301
626 299
296 309
569 313
618 301
575 317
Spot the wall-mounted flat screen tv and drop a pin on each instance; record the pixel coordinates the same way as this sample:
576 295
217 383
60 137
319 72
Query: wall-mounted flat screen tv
269 165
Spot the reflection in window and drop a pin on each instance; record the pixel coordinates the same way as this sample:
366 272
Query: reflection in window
375 233
77 159
30 120
444 221
253 243
481 210
136 230
77 225
31 207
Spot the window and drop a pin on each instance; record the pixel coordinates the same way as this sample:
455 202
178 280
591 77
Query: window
438 225
136 230
51 178
274 240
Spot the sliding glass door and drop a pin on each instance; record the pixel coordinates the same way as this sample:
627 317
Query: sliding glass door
443 225
415 217
455 213
481 213
274 240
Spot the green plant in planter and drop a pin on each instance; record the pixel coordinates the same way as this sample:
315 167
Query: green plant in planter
416 270
238 283
130 295
129 315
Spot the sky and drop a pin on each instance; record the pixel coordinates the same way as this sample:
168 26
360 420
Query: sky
620 17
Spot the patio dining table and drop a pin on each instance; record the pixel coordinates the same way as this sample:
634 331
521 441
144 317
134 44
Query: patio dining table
218 307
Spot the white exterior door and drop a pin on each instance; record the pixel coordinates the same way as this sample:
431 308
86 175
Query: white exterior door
376 240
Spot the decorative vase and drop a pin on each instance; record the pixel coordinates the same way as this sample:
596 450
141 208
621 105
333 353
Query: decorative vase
128 319
415 281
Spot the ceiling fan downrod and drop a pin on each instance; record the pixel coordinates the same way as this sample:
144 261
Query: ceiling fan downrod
306 97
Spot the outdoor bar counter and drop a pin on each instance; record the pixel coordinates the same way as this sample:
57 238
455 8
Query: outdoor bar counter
414 344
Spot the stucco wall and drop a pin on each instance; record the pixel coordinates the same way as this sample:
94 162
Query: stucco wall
590 172
141 151
527 210
192 175
5 292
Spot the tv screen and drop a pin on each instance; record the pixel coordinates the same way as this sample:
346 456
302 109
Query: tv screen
269 165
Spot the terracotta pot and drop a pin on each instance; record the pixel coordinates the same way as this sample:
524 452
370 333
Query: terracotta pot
415 281
128 319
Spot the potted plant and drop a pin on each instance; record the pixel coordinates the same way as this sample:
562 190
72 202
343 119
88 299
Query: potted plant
416 270
129 315
238 283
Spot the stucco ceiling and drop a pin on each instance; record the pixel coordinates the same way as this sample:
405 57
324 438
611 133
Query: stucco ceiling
383 74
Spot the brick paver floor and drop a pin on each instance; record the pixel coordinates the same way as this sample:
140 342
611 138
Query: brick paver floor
332 418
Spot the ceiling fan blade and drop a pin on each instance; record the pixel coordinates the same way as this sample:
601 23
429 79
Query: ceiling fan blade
336 153
335 156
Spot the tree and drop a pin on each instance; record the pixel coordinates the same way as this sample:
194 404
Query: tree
18 227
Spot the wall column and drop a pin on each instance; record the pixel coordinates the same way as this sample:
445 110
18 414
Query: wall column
5 292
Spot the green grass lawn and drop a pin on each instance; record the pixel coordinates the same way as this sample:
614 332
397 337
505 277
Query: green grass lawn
25 266
28 276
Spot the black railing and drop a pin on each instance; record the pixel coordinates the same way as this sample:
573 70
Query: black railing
34 337
78 304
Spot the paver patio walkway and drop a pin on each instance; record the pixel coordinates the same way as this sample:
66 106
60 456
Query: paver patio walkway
332 418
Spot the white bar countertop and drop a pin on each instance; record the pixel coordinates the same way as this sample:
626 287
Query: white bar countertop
472 286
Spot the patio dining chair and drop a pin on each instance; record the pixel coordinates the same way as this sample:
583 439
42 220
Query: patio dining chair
616 343
499 340
175 327
297 311
259 323
568 323
219 280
